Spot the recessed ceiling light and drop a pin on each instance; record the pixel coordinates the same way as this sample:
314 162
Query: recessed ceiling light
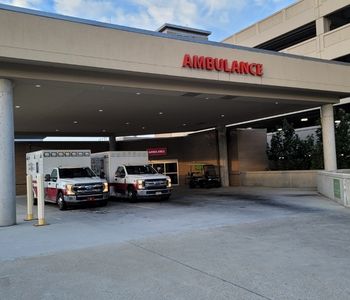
57 130
222 116
18 106
276 102
138 93
100 110
103 130
160 113
127 123
304 119
37 85
184 124
279 129
75 122
143 127
249 128
207 98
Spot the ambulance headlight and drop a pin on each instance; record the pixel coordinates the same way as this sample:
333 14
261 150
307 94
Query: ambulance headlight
105 187
70 190
168 183
140 184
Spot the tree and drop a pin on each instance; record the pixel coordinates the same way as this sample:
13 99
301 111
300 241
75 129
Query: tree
288 151
342 139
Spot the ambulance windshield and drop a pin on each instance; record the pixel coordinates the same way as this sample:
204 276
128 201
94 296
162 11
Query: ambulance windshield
137 170
76 172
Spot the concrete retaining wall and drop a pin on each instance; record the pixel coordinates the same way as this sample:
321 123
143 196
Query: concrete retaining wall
287 179
335 185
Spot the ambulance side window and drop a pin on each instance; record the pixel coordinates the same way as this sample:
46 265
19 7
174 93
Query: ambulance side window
120 172
54 175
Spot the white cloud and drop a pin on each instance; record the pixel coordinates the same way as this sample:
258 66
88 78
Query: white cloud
220 16
153 13
24 3
87 9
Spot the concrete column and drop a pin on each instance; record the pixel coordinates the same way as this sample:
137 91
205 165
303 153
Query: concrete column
223 156
328 137
323 25
7 157
112 143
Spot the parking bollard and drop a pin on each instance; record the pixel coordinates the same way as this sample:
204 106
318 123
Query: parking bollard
29 216
41 201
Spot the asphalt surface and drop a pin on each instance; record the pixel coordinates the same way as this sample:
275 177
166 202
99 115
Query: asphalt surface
227 243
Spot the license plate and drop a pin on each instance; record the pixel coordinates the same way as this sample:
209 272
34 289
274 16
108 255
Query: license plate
158 193
91 199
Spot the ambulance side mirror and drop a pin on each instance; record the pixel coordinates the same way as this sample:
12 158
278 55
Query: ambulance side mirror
47 177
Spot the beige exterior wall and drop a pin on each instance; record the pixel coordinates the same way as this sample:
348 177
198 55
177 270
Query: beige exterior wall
247 152
326 45
284 179
290 18
54 42
335 185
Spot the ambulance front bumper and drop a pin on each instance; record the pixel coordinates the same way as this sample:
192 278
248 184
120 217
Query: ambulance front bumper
76 199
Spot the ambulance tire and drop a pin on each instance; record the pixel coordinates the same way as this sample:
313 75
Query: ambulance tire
60 202
165 198
132 195
102 203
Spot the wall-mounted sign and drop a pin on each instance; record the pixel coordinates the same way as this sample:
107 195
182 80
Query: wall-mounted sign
336 188
222 65
157 151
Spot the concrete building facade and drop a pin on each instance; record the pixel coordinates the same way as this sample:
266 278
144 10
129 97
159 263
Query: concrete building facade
68 76
313 28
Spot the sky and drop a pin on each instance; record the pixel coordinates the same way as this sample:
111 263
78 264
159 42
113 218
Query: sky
221 17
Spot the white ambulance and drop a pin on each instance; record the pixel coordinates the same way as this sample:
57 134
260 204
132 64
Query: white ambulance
69 179
129 175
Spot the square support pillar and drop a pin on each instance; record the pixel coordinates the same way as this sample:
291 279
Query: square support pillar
328 137
7 157
112 143
223 156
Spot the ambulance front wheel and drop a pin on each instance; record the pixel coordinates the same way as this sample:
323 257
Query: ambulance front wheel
60 202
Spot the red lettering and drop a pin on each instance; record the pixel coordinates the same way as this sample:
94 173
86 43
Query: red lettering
198 62
209 63
244 67
226 68
235 67
259 70
222 65
219 64
252 69
187 62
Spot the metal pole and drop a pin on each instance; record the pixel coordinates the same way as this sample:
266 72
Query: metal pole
41 201
29 198
7 157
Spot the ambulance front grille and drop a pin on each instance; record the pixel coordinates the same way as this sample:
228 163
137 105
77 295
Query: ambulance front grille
87 189
151 184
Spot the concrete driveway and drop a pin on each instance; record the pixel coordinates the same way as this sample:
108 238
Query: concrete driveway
227 243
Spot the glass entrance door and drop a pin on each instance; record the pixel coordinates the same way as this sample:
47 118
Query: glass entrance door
167 167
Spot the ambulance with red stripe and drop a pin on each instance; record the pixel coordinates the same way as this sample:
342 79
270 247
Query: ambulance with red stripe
130 176
69 179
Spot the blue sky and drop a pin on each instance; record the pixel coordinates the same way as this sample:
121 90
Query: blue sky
222 17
